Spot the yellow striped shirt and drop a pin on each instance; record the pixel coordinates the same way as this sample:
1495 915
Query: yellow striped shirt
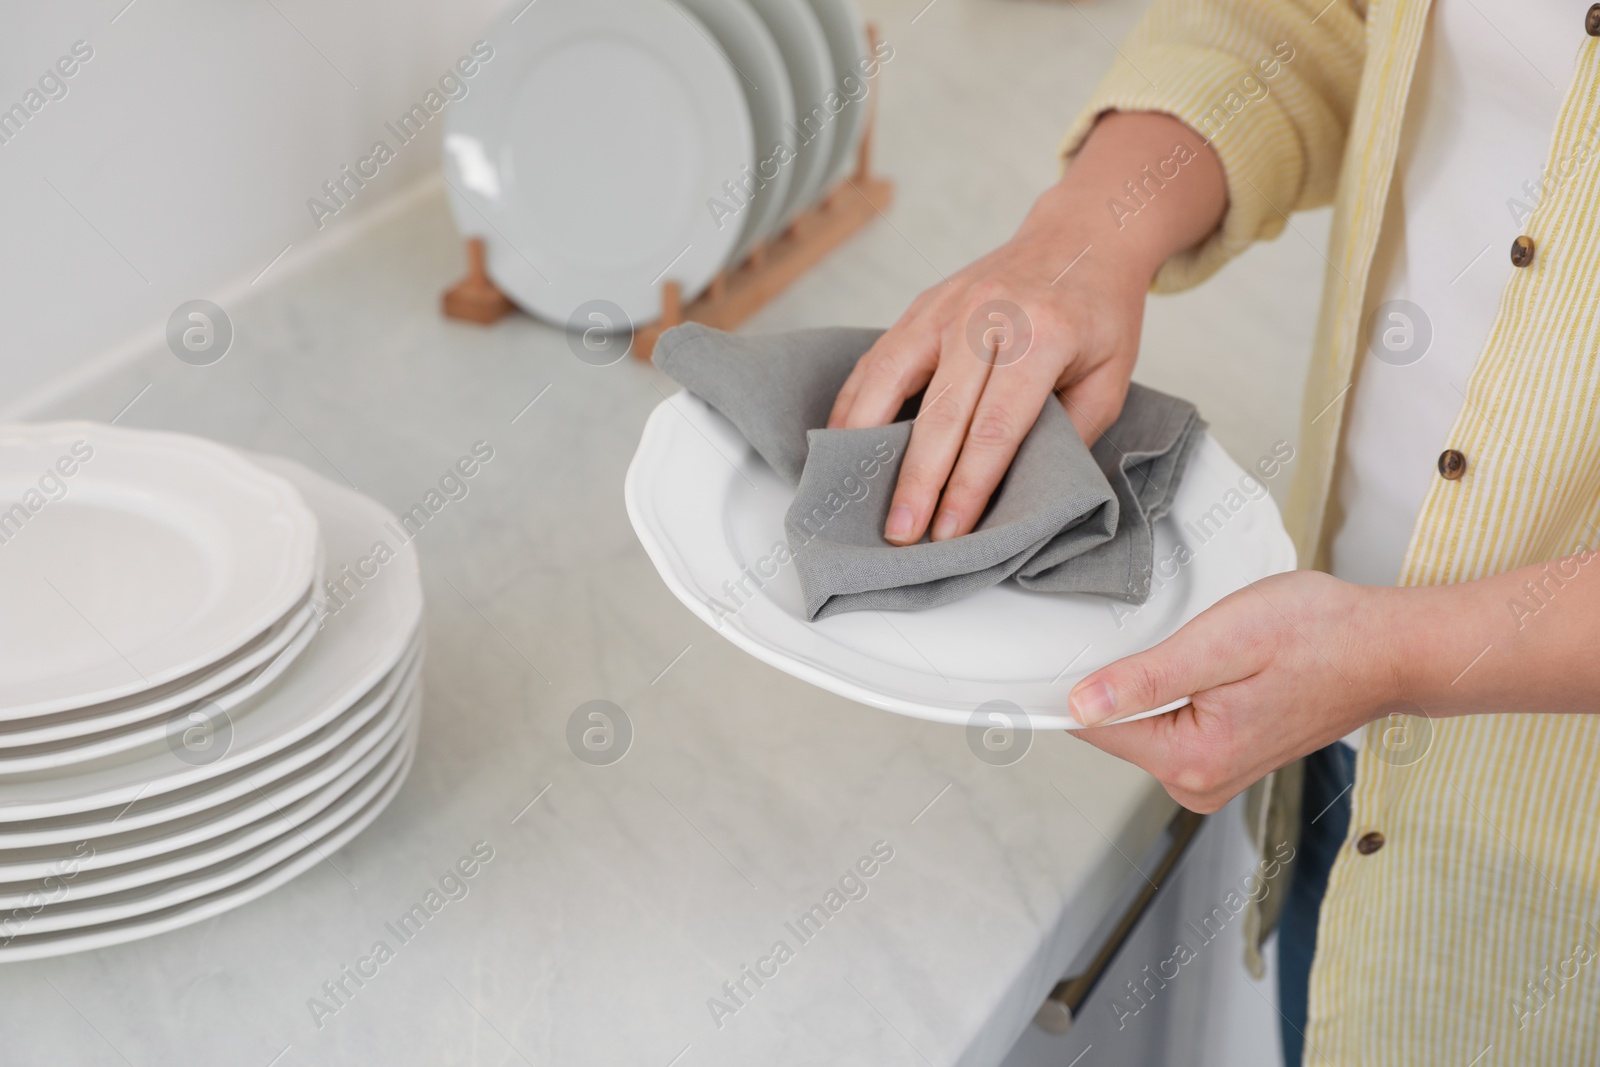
1473 936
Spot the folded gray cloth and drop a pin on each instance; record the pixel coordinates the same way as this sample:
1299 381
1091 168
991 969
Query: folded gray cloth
1065 519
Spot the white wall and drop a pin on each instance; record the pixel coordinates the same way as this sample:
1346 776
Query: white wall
180 159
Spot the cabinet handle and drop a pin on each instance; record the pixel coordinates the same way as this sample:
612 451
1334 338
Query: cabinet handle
1061 1007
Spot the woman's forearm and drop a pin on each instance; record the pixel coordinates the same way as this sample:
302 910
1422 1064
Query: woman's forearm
1143 187
1526 640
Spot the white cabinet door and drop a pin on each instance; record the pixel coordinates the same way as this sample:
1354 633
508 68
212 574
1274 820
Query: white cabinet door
1178 993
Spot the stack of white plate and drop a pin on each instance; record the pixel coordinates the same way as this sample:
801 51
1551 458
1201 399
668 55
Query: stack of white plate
190 714
608 146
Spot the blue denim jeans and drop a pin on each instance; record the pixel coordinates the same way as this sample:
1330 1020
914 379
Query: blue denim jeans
1324 822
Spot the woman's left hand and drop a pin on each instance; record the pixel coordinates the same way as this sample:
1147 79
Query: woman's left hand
1275 671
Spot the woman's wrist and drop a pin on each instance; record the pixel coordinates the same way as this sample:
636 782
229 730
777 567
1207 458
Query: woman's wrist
1387 627
1071 220
1142 188
1362 632
1427 637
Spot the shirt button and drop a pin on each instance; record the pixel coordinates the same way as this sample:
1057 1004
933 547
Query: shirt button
1452 464
1591 21
1369 843
1522 247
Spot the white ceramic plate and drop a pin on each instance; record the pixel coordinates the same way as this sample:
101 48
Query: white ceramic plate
708 509
588 150
181 861
82 903
159 555
118 845
805 55
190 689
37 946
227 794
755 57
356 647
58 754
846 31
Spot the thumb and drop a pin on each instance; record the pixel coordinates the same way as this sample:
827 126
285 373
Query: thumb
1203 654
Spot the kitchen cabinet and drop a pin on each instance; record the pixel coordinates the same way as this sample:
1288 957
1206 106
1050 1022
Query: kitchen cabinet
1177 991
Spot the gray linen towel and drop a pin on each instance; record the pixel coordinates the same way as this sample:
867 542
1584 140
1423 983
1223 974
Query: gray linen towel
1065 518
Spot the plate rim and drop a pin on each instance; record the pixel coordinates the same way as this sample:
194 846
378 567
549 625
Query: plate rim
211 877
340 757
401 636
352 721
148 729
231 673
300 548
150 869
139 927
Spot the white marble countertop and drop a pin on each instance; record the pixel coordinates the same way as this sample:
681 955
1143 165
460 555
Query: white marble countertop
621 898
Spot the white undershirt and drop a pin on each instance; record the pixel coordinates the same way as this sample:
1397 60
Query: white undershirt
1489 83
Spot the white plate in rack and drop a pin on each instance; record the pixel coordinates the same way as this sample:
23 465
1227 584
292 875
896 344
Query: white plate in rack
754 54
846 32
133 558
588 149
812 129
709 511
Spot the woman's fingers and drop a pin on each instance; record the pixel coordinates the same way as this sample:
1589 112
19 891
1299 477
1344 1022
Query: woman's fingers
890 345
1189 761
847 395
936 440
1012 398
1155 744
894 369
985 369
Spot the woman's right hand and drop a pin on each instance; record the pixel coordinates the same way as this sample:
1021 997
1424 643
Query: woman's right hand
1056 309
